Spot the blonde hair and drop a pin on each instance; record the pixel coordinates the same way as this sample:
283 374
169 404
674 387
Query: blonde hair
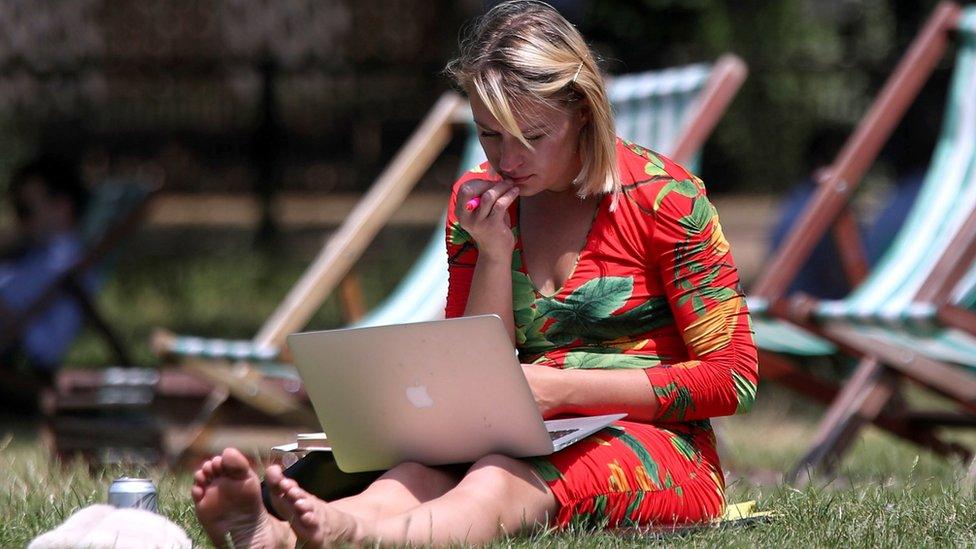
523 52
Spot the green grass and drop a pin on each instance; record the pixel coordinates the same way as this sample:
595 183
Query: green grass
885 494
37 493
216 284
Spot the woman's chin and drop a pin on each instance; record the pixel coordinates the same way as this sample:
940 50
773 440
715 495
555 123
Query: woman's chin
528 191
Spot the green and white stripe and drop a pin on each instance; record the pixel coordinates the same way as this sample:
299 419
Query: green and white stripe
883 306
947 197
222 348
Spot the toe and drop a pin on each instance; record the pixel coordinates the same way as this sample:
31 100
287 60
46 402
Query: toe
295 493
200 477
287 484
273 475
216 465
196 492
308 519
234 463
304 505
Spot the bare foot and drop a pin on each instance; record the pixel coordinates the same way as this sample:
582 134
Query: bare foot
227 497
316 523
273 475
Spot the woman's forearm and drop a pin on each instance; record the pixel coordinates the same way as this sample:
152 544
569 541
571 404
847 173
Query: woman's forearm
491 291
594 392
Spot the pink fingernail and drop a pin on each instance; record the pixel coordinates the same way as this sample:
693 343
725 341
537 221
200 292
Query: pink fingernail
470 205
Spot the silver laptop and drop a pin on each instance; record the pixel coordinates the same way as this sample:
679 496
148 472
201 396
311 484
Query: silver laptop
439 392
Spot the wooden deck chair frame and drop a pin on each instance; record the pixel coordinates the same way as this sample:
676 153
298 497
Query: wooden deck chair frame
347 244
70 282
872 393
829 206
958 259
873 388
828 210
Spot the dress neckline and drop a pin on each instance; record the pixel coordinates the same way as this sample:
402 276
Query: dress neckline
524 267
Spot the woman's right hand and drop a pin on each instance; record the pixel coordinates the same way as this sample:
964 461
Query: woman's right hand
488 223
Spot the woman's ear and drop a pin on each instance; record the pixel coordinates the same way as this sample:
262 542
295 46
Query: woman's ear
584 115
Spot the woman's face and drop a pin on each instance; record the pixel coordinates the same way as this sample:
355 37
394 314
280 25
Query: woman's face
553 133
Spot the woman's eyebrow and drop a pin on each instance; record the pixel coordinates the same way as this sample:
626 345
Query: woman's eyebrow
533 129
483 126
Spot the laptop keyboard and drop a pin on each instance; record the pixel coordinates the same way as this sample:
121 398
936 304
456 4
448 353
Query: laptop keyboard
553 435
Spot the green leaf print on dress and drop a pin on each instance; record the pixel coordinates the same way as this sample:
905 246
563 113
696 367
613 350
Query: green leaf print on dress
548 471
681 401
636 446
647 316
685 447
528 323
655 168
684 187
699 218
587 314
745 392
458 235
588 305
607 359
632 509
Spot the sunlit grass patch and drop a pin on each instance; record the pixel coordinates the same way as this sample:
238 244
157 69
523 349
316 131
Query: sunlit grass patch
885 493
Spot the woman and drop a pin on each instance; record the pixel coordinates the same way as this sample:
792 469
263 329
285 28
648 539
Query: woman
609 268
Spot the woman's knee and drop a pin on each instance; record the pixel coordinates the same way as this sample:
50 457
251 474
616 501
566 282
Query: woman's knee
411 470
511 489
421 480
499 473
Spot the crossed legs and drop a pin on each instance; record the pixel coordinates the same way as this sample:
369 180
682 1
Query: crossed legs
400 489
409 504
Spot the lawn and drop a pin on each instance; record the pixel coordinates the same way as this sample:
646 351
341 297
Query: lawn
886 493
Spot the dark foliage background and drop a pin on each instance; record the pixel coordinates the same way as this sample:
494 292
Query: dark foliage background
261 96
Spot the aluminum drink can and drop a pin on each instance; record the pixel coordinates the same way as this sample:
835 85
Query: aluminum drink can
137 493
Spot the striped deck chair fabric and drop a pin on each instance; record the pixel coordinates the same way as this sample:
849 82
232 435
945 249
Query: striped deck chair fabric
650 109
883 305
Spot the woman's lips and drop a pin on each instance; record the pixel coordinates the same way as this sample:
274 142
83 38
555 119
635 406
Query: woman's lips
517 180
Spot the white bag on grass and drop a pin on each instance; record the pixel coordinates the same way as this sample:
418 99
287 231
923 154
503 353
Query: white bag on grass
105 527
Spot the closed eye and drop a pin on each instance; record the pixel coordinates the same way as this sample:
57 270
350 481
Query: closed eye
492 135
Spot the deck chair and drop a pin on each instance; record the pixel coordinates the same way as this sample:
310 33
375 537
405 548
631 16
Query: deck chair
783 344
673 110
924 330
115 209
900 296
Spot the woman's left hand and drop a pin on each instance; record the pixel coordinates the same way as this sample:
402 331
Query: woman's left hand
548 387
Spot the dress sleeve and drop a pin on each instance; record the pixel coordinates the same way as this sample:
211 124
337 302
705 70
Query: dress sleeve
691 255
462 256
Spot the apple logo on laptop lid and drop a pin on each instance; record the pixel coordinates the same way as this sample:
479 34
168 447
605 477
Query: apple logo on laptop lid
417 395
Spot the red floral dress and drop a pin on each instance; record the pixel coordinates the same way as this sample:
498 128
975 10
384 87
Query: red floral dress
655 288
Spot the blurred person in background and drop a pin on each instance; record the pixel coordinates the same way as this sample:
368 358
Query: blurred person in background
822 276
49 199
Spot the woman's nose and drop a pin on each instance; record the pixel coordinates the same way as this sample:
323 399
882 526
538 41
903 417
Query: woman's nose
512 155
